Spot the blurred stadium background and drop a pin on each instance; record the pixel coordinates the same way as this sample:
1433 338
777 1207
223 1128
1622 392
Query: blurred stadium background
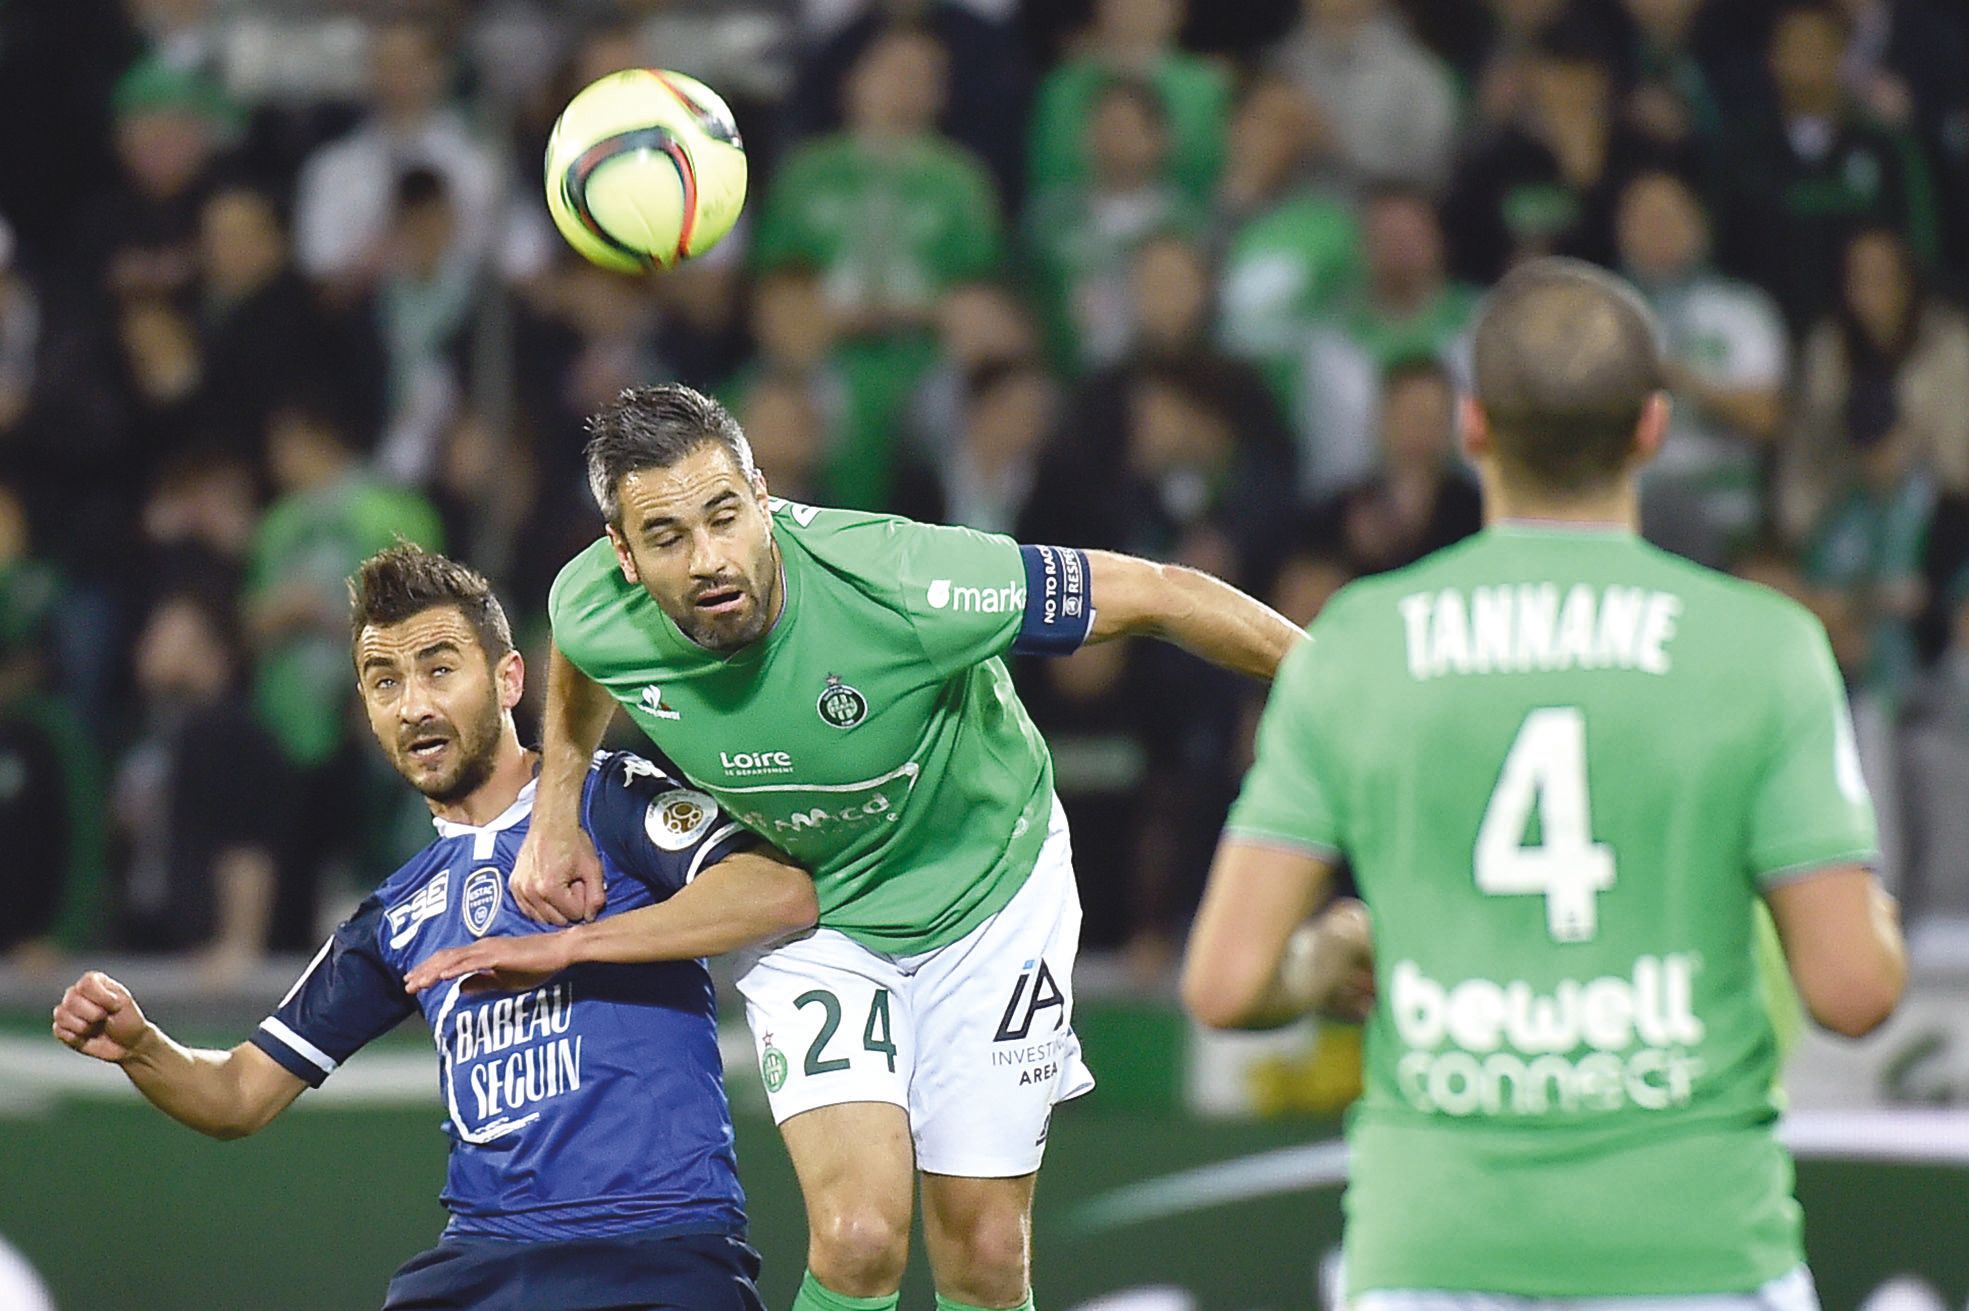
276 283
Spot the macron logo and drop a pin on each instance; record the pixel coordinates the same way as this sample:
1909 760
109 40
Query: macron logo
976 600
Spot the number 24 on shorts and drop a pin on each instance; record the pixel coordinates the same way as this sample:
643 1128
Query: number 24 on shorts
877 1035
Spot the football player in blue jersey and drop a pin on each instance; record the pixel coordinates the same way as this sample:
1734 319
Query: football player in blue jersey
591 1160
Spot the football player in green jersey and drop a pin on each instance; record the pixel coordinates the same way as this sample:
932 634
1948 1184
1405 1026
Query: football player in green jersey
834 680
1566 768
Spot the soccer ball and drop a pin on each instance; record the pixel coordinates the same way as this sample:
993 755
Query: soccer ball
645 168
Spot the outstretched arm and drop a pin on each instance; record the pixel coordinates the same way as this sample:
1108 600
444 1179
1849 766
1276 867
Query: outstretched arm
1205 616
557 878
748 898
1255 960
224 1094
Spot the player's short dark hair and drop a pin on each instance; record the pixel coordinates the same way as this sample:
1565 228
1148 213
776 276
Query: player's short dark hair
405 580
1566 359
653 428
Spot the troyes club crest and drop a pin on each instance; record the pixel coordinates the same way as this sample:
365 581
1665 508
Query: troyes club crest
840 705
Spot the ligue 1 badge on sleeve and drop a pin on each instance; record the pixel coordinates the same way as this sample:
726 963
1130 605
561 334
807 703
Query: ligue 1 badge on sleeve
840 705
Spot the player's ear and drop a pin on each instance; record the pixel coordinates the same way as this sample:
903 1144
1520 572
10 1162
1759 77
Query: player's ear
1652 430
1472 429
510 674
759 492
622 556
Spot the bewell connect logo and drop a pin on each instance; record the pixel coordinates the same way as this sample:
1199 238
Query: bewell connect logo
944 595
1511 1050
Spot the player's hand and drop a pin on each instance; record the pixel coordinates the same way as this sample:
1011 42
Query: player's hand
1343 955
98 1017
495 964
557 877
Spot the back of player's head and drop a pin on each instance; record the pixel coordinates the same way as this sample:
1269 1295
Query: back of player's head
1566 361
653 428
405 580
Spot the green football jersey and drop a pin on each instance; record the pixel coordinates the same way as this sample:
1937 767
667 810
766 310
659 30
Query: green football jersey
873 733
1563 764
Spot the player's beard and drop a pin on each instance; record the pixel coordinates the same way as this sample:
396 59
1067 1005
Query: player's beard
743 626
475 746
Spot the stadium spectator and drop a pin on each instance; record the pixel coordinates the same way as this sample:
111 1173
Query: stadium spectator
198 523
330 514
1132 41
181 35
1420 499
787 433
423 305
1935 764
1383 107
163 374
1547 181
887 210
49 772
849 394
1082 238
890 214
1885 384
978 324
1170 311
1407 306
1670 99
987 477
199 800
1802 172
344 194
171 127
1289 251
1726 353
990 81
261 332
1884 422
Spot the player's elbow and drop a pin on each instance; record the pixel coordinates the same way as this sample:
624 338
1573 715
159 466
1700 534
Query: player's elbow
793 906
1221 996
1853 1003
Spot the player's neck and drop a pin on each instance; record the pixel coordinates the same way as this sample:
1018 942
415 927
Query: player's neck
1616 508
511 772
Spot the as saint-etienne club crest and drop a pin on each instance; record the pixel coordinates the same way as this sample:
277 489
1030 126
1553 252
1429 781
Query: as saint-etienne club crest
773 1066
840 705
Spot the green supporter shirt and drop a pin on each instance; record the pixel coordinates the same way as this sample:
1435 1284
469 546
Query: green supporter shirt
1564 765
1283 268
873 733
314 540
1196 101
883 227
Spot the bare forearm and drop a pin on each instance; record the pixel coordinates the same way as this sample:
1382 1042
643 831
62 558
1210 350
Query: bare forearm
577 715
738 903
199 1088
1205 616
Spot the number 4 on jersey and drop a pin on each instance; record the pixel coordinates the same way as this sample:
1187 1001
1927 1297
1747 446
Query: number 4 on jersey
1546 769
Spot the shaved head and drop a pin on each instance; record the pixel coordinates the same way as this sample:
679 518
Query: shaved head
1566 360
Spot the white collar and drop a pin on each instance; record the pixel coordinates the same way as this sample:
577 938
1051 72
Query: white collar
522 807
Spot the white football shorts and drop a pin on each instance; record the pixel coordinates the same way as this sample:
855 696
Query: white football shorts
974 1040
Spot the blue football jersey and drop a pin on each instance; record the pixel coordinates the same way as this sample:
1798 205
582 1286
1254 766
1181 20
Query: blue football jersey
591 1106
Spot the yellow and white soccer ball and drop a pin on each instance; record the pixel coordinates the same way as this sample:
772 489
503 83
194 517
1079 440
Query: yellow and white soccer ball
645 168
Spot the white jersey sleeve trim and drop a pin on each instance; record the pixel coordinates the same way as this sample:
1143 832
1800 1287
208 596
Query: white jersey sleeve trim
300 1046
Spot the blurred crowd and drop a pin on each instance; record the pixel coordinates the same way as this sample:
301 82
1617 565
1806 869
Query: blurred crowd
276 286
